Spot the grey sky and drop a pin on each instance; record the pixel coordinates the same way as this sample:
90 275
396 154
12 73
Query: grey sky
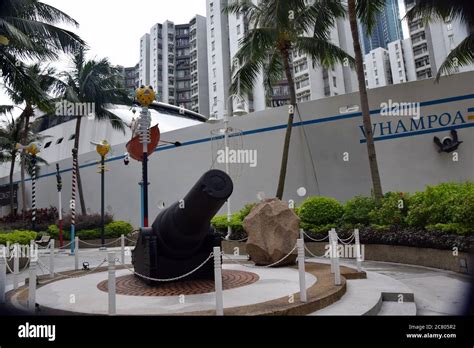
113 28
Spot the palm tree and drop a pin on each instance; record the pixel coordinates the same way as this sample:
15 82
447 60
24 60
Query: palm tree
279 28
39 97
28 31
463 10
366 11
11 134
97 83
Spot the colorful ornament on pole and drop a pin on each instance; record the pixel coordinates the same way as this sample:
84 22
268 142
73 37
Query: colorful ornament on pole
145 95
102 148
33 148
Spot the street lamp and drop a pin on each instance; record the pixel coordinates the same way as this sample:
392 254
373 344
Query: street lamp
102 148
33 149
239 111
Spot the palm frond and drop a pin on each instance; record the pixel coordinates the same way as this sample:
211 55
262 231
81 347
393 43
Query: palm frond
462 55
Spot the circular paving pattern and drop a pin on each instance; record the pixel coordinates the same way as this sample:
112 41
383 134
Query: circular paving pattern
132 286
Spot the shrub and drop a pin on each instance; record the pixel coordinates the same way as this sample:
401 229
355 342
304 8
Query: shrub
392 210
53 232
117 228
357 210
44 217
89 234
19 236
443 204
219 222
452 228
86 222
320 211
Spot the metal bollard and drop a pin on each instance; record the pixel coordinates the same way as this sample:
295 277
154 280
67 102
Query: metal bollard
122 245
3 275
301 269
111 284
337 269
76 253
32 285
218 281
16 265
51 258
358 250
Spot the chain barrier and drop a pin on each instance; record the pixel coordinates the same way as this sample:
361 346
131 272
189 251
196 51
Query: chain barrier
131 240
99 245
65 246
235 240
347 241
71 275
315 240
309 252
261 267
211 255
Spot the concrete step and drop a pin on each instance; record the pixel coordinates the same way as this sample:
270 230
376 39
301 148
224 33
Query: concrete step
369 297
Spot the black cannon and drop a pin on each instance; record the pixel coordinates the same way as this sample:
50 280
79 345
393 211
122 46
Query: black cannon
181 238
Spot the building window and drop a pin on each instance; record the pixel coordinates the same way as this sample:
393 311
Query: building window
214 86
212 32
212 19
214 59
334 81
238 29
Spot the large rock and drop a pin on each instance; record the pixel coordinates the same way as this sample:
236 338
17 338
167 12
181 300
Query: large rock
272 229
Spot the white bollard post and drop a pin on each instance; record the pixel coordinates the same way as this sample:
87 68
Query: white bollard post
3 274
32 285
112 298
122 245
302 234
51 258
358 250
301 269
218 281
334 249
76 253
16 265
331 254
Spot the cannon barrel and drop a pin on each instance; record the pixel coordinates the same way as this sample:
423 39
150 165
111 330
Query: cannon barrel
180 238
182 228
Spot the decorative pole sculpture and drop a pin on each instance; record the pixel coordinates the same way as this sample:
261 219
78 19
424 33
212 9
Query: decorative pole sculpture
102 148
33 149
59 184
73 201
145 96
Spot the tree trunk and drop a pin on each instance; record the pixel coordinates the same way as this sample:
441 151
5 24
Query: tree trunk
364 100
75 156
12 169
289 128
28 112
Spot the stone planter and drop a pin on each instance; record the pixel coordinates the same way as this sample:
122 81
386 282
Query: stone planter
434 258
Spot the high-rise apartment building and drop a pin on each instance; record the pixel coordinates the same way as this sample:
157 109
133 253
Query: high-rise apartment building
225 33
388 28
432 42
176 64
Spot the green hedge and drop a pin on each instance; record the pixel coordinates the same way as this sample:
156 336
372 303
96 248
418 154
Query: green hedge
220 223
17 236
447 208
112 230
320 211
